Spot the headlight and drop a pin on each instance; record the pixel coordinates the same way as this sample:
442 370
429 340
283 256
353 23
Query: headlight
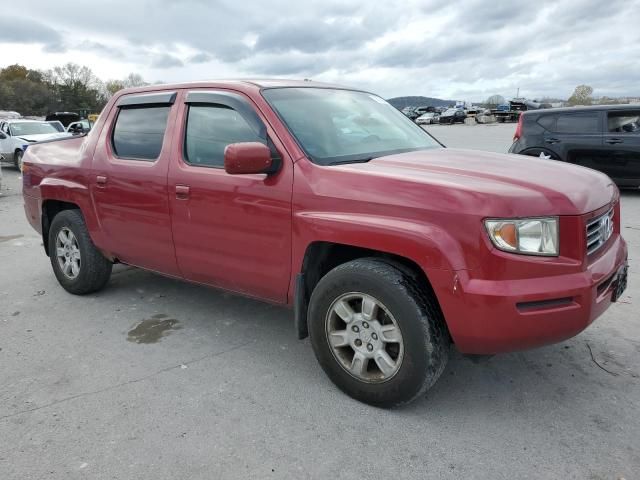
530 236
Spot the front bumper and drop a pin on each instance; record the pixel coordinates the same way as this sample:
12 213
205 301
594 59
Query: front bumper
487 317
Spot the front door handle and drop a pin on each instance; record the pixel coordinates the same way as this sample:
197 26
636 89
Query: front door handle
101 180
613 141
182 192
552 140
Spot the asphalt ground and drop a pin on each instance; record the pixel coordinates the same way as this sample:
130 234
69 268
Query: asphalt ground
157 379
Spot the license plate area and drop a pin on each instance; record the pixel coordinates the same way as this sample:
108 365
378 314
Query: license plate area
619 284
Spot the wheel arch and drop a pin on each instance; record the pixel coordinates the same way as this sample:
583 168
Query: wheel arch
60 194
320 257
535 151
51 208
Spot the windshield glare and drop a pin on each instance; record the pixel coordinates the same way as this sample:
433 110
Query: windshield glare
339 126
31 128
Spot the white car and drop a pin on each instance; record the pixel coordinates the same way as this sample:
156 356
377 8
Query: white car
80 127
16 134
428 118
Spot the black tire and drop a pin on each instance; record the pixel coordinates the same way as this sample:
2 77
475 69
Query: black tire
94 270
17 159
417 313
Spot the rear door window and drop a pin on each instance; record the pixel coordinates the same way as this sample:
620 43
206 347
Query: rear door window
139 132
584 123
624 122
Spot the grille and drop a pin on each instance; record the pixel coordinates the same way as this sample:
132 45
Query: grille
599 230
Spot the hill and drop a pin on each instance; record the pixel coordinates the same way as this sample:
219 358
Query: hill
417 101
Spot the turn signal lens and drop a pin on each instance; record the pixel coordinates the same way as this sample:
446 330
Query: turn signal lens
531 236
504 235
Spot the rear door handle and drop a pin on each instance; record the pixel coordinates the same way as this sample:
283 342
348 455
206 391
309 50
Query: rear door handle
101 180
552 140
613 141
182 192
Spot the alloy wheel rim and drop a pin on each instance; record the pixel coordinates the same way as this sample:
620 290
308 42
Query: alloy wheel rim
364 337
68 253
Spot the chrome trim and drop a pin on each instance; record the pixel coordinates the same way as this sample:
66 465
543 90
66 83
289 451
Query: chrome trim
598 230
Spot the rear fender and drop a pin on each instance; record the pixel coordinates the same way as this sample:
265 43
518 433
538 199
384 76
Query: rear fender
75 192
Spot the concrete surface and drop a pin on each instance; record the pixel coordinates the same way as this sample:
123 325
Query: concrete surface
228 391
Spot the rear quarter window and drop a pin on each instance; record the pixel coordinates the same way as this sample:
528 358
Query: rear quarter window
139 132
548 122
578 123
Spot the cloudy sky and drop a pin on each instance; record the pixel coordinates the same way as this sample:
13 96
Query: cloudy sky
464 49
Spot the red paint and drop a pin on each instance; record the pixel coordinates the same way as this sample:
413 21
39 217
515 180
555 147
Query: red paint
248 157
249 233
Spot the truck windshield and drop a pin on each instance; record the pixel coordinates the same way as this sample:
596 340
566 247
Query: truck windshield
31 128
343 126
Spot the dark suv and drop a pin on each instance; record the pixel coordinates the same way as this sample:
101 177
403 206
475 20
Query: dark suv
605 138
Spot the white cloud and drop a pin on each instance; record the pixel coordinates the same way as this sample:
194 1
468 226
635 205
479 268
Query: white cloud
467 49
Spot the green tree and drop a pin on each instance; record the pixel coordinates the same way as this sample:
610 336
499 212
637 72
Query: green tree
24 91
69 87
581 96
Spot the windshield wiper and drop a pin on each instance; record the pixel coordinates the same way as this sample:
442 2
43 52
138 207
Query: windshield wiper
357 160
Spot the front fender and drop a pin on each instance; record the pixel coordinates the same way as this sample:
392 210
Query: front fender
428 245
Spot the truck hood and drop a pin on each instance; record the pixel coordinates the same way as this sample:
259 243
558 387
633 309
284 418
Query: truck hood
41 137
494 184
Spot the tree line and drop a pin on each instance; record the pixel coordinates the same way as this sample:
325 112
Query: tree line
68 87
582 95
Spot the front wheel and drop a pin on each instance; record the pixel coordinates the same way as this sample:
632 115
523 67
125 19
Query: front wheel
77 264
17 159
377 333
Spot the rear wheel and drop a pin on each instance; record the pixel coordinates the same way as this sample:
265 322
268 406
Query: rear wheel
77 263
377 334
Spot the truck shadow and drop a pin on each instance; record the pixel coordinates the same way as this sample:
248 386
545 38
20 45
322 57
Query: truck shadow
561 376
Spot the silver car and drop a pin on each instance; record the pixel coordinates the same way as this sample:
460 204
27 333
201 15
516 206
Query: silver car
16 134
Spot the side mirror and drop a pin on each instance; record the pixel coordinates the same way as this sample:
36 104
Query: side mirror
247 158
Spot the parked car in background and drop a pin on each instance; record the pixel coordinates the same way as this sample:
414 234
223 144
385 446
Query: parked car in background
7 114
57 124
452 115
603 137
428 118
408 111
15 135
387 246
419 111
79 128
64 117
412 114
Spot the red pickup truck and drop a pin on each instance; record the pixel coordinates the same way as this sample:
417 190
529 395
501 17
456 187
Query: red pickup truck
388 246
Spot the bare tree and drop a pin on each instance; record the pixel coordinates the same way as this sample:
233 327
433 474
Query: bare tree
72 75
494 100
581 96
134 80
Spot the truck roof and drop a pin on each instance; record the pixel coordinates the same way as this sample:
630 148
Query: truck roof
590 108
240 84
